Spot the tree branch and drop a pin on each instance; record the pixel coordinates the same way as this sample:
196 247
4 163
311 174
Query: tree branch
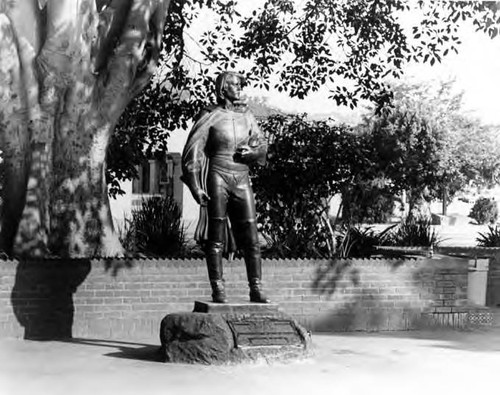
130 66
112 17
152 48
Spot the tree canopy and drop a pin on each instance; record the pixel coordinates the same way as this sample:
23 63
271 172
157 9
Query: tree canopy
427 142
347 47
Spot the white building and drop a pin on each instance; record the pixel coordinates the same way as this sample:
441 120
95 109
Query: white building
158 178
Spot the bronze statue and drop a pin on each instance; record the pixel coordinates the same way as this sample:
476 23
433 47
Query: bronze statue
224 141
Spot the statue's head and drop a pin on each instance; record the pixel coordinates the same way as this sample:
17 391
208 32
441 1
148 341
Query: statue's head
228 86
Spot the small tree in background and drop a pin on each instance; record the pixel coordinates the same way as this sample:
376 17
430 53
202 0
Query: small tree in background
484 211
367 201
426 146
308 163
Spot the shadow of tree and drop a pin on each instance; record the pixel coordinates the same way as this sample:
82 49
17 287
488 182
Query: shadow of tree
329 274
114 265
42 296
126 350
357 302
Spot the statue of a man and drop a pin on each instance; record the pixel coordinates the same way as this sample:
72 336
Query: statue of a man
224 141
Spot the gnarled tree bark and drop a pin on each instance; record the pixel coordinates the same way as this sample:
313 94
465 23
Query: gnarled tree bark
68 68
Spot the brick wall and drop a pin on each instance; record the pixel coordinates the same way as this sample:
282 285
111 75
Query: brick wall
128 298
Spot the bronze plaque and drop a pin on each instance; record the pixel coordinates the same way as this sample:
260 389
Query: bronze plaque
263 331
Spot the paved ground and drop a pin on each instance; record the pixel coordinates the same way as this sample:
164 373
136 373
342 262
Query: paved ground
357 363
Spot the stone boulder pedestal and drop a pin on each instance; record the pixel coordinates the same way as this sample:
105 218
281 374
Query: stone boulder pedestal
231 333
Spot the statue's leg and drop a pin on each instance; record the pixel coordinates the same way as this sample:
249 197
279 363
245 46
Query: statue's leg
242 215
217 208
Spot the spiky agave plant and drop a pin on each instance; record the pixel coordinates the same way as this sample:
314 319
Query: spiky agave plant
415 232
156 228
491 238
357 241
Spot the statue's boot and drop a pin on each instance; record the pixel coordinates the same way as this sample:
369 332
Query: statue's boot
215 272
256 293
251 252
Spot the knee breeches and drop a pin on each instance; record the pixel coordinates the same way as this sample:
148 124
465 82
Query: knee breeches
231 196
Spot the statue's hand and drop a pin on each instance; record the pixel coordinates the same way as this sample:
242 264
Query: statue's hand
243 151
201 197
251 154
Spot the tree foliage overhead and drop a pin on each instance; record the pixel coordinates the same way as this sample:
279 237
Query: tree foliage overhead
347 47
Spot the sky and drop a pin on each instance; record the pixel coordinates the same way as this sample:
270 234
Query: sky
476 69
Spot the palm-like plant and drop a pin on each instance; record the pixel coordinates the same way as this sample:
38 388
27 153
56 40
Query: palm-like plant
155 228
491 238
414 232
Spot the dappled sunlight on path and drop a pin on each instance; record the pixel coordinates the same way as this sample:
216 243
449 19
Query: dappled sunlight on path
345 363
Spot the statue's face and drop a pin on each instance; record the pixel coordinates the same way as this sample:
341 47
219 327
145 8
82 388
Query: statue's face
233 88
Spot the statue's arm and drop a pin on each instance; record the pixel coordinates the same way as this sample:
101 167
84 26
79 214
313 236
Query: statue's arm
257 142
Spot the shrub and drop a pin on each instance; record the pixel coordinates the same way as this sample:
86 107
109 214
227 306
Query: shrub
367 204
306 165
490 238
484 211
155 229
288 244
360 242
414 232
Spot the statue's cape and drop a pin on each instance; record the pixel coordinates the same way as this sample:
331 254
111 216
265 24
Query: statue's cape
194 156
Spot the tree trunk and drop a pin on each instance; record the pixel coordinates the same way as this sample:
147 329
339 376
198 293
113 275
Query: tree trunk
445 200
68 68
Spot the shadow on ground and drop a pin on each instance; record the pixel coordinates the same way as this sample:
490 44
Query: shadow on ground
125 350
